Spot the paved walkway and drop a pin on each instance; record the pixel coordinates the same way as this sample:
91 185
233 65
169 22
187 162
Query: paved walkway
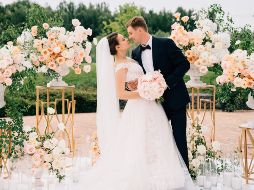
227 130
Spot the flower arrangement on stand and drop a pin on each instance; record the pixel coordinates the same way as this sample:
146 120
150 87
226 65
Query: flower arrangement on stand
199 151
58 50
11 60
238 70
203 47
46 152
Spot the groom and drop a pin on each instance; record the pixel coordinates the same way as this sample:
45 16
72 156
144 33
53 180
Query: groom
162 54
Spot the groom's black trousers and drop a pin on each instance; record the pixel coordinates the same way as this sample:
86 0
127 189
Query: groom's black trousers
178 122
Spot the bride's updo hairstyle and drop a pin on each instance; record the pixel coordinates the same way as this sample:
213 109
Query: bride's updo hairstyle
112 41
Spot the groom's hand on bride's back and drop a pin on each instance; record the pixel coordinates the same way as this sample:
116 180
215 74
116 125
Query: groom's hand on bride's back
132 85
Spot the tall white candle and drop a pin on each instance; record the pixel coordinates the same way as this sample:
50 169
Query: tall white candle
213 179
227 179
200 180
236 183
207 184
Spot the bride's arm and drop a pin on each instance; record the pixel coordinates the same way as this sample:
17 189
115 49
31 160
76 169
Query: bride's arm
120 86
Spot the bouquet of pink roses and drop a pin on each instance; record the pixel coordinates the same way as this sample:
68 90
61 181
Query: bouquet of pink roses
151 86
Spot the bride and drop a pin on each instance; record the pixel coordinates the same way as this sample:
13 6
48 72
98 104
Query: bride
138 151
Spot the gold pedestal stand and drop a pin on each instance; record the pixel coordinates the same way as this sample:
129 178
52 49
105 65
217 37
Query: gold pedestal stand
5 151
246 148
45 118
194 112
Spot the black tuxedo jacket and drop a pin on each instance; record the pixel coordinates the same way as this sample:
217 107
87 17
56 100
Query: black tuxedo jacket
169 59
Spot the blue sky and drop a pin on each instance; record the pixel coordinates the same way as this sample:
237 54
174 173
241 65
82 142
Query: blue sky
242 11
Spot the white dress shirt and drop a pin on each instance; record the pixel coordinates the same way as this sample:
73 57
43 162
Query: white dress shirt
147 57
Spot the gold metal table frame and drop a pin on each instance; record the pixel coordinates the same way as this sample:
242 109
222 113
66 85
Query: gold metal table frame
246 145
201 105
66 116
5 135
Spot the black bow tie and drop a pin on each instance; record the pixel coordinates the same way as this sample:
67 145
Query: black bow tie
143 48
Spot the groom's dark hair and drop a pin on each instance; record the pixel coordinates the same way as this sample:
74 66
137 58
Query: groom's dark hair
137 21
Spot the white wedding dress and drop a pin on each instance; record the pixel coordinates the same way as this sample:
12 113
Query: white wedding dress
142 153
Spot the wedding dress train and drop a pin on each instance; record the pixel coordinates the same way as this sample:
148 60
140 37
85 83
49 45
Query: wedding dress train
142 154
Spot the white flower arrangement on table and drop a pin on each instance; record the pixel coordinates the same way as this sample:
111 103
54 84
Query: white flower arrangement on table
11 60
198 150
238 70
151 86
46 152
204 46
58 50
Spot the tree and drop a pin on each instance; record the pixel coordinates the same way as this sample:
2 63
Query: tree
126 12
93 16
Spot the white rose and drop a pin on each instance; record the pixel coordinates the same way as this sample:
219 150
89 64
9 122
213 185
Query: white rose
203 69
61 126
201 149
20 40
50 110
88 31
33 136
69 63
43 69
47 144
238 82
27 64
69 42
204 128
61 144
54 141
27 128
75 22
216 146
88 46
237 42
95 41
195 162
48 158
87 68
67 151
56 151
218 45
57 164
57 50
3 64
252 57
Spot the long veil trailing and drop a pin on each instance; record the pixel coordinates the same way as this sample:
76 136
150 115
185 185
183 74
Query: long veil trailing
107 101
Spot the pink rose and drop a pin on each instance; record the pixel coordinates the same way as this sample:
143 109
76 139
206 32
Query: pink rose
8 81
88 59
29 149
88 32
45 26
34 31
185 19
75 22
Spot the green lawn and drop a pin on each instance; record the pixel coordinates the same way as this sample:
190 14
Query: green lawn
84 81
88 80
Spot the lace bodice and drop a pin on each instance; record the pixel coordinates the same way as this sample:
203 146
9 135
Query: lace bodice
134 69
